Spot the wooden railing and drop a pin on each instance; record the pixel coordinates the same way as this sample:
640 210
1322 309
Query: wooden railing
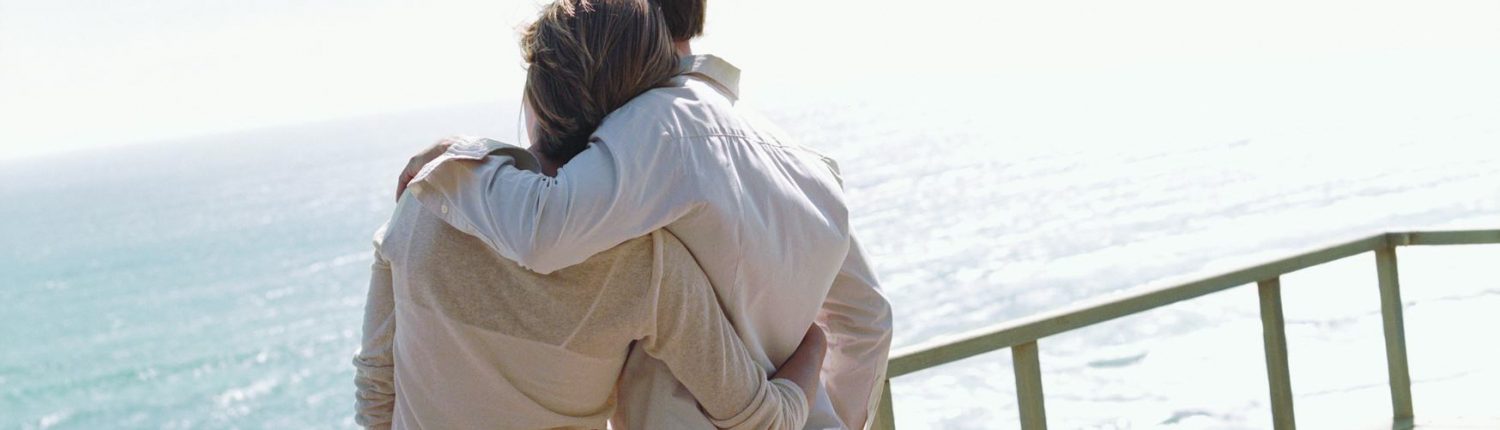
1021 335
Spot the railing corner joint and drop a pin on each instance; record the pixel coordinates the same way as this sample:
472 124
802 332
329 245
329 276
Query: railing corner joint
1396 239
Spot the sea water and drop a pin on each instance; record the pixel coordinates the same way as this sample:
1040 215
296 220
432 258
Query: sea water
218 282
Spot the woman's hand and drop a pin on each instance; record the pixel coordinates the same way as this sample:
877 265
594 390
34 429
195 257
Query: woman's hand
805 364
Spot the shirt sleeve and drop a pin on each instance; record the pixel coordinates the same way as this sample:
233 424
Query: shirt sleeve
857 317
607 194
374 376
690 334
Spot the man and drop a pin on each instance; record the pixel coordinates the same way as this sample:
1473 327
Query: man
765 218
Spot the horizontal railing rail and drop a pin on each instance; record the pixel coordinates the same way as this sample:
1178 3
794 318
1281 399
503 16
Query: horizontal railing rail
1021 335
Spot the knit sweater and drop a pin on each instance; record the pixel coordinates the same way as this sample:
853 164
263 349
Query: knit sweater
456 336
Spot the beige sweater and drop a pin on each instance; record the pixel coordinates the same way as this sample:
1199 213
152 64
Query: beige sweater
458 337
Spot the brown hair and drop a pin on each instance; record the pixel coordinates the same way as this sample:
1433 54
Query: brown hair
587 58
684 17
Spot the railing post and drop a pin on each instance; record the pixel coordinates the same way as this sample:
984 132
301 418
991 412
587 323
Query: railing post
1273 326
1028 366
1395 332
885 416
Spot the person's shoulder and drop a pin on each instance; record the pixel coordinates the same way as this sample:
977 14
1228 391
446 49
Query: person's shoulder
757 125
682 107
649 114
393 236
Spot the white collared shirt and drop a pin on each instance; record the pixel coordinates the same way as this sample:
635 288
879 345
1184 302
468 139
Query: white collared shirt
764 216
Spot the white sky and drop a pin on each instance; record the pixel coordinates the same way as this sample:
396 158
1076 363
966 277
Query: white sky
76 74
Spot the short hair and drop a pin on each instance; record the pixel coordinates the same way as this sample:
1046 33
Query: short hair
684 17
585 59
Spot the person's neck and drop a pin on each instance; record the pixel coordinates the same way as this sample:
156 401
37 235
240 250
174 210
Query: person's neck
684 47
549 168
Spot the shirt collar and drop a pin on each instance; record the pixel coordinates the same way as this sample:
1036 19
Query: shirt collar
714 69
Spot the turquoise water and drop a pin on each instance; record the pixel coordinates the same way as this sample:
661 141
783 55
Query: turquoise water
218 282
210 283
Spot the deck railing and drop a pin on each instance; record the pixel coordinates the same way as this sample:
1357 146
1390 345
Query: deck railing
1021 335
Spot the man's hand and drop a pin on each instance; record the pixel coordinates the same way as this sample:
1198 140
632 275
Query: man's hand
416 162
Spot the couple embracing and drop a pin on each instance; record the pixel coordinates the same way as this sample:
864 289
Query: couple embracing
658 258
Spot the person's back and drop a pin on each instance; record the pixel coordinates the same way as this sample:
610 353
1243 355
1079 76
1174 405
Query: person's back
459 337
770 227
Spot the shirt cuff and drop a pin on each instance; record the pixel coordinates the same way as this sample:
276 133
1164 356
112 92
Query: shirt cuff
442 181
779 404
442 170
477 148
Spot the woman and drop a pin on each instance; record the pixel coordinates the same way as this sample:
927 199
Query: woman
456 336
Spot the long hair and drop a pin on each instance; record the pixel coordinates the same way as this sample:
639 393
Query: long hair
587 58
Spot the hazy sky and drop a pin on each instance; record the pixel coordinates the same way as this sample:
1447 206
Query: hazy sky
77 74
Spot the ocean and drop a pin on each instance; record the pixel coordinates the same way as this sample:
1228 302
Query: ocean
218 281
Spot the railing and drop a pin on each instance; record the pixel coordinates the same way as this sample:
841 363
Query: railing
1021 335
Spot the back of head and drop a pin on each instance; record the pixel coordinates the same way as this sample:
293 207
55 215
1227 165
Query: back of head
684 17
587 58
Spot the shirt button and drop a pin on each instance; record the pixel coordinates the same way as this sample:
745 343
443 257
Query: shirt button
416 189
444 209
